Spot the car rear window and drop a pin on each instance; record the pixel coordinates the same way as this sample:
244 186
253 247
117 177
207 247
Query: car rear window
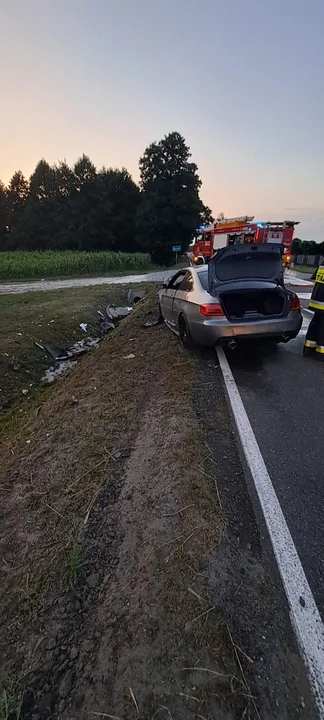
203 277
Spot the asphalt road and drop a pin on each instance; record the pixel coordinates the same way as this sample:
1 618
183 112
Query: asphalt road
283 394
22 287
16 288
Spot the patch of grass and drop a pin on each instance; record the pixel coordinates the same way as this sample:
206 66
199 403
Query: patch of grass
74 563
50 263
303 269
46 317
10 700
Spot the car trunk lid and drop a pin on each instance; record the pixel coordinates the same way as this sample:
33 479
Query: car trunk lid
248 280
247 262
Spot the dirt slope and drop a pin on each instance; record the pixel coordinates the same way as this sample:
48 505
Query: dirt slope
115 547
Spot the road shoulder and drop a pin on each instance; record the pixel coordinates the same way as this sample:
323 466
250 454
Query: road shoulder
134 582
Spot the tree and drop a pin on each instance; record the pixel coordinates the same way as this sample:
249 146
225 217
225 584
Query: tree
18 191
123 197
296 246
84 171
206 217
17 196
40 216
171 207
4 220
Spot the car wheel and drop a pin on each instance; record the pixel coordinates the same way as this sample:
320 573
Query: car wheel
184 333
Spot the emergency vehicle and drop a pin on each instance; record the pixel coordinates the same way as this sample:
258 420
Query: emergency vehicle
207 239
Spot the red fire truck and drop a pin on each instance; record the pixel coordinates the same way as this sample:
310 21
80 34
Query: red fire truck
206 240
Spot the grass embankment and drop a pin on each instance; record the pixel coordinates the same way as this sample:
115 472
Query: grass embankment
304 269
52 317
19 266
90 464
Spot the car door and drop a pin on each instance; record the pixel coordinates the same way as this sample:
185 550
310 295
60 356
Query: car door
169 293
181 297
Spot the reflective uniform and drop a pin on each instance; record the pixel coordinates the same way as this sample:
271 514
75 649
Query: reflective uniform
315 335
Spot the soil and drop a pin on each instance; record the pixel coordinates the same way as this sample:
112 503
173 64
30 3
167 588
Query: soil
134 583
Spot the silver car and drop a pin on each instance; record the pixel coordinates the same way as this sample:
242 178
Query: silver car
239 294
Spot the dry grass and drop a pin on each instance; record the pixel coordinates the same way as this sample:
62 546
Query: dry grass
55 481
54 462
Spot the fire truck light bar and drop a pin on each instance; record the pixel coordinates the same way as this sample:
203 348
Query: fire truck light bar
230 221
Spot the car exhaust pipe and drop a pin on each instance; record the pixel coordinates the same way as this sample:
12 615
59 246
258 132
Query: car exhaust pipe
232 344
285 338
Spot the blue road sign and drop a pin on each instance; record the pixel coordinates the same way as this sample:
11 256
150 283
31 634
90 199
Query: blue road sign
176 248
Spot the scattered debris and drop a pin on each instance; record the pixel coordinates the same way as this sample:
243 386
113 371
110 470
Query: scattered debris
115 313
154 318
41 347
105 326
65 357
82 346
56 353
25 391
74 399
55 371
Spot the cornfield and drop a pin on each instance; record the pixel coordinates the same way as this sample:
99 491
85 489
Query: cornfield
51 264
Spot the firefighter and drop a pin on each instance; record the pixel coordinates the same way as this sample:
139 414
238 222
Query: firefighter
314 342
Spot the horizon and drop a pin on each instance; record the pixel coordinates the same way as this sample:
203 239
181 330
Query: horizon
107 81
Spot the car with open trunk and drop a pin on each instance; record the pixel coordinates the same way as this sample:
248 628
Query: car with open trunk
240 294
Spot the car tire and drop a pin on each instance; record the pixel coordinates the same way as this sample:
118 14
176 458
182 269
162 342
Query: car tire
185 338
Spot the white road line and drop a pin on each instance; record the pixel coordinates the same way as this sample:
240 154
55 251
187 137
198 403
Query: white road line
304 614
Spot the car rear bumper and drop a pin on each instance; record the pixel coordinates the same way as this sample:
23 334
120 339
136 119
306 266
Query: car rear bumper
215 331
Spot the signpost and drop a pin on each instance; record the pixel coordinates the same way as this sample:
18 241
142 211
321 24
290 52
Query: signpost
176 249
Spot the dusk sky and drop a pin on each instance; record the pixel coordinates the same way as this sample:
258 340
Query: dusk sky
242 80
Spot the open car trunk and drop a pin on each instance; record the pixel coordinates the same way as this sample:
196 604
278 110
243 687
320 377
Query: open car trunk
248 279
249 304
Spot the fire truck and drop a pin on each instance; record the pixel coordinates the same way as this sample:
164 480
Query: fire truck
207 240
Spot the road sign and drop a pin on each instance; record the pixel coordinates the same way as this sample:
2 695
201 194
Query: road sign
176 248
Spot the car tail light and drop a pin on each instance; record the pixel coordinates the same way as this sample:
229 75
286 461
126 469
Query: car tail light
212 310
295 305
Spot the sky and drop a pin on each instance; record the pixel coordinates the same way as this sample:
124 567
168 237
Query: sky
241 80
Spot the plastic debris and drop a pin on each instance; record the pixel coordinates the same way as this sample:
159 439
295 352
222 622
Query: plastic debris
115 313
129 357
25 391
55 371
105 326
55 352
154 318
65 358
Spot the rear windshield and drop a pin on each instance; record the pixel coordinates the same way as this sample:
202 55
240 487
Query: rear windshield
249 265
203 277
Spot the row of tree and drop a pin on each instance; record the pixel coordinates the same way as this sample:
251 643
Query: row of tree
307 247
79 208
